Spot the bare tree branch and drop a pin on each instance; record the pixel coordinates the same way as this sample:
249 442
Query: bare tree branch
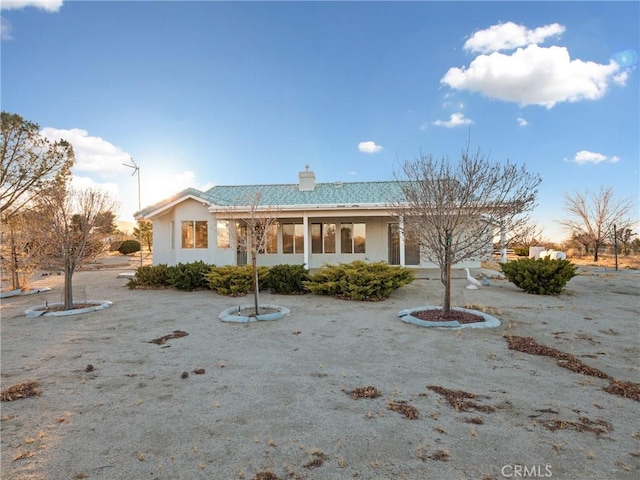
453 210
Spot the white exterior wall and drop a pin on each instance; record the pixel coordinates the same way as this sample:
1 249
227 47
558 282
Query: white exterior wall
377 248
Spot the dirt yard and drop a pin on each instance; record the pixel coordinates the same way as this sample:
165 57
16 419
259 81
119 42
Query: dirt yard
157 387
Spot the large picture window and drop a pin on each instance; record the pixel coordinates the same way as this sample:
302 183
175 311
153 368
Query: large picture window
195 234
292 238
323 238
352 238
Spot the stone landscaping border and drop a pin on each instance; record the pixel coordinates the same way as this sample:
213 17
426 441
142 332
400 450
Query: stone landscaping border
40 310
233 314
489 320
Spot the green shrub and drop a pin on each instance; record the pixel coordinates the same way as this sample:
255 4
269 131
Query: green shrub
235 281
287 279
150 276
540 276
521 251
359 280
189 276
129 246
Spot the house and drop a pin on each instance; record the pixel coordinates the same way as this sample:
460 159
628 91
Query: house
317 224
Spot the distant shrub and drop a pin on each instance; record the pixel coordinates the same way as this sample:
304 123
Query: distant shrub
287 279
359 280
115 246
189 276
234 281
521 251
150 276
129 246
539 276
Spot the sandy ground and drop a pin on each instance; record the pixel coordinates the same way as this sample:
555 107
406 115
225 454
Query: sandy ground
273 396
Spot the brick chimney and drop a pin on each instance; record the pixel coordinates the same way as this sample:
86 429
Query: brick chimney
307 180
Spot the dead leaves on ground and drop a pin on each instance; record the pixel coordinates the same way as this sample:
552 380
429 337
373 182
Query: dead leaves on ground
583 425
408 411
22 390
457 399
367 391
566 360
162 340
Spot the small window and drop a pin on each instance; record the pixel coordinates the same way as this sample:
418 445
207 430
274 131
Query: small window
222 234
195 234
352 238
292 238
323 238
269 242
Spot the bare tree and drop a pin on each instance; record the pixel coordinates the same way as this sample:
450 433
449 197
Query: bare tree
593 216
17 253
68 232
144 231
524 233
258 221
453 210
30 163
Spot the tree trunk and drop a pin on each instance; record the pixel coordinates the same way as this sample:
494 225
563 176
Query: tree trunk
68 292
596 247
446 304
256 295
15 278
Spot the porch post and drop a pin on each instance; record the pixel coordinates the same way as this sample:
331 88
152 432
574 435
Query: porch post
402 260
307 245
503 244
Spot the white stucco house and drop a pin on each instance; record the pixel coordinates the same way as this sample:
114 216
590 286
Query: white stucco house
318 223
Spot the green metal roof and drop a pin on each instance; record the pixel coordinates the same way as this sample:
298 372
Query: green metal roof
345 194
323 194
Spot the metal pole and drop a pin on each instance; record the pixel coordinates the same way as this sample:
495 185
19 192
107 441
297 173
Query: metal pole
615 245
136 170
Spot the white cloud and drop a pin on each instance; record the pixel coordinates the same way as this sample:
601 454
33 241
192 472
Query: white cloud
585 156
522 122
5 29
369 147
534 76
455 120
507 36
93 154
48 5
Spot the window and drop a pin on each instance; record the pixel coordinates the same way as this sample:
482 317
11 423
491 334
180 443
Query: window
222 236
269 241
292 238
323 238
272 239
195 234
352 238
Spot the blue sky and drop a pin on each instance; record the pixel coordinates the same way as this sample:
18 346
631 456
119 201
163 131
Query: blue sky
204 93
